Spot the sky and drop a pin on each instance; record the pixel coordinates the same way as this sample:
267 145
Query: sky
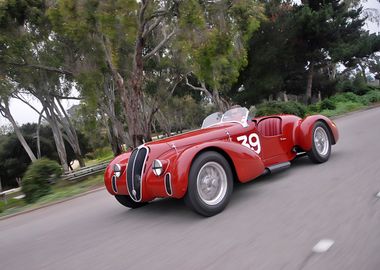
23 114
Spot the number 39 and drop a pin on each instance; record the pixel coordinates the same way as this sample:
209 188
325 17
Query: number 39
252 142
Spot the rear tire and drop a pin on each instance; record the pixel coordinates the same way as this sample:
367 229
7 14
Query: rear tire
321 143
128 202
210 184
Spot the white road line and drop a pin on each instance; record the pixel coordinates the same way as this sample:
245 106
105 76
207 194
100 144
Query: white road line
323 246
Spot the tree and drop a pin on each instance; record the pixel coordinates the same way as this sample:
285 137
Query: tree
322 26
34 61
124 35
374 66
300 42
274 64
5 90
214 40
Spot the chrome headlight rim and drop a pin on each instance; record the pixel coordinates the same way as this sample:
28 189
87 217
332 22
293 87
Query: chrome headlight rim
157 167
117 170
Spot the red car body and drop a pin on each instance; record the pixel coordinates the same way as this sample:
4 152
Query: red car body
250 151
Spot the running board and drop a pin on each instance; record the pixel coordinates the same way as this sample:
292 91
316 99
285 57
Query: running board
277 167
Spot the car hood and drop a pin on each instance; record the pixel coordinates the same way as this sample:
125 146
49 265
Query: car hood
195 137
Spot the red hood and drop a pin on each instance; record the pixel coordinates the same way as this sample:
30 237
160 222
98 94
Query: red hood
195 137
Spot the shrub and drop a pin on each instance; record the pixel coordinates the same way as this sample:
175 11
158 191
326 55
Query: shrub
312 108
326 104
345 97
371 97
280 107
38 177
342 107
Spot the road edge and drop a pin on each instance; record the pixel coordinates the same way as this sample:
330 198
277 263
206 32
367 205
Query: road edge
52 203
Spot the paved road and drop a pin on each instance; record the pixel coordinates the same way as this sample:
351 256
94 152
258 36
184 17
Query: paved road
272 223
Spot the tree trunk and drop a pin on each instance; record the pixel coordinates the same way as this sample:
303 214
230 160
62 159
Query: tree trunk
285 97
71 133
112 139
115 129
135 112
309 83
362 69
38 136
20 137
58 137
221 104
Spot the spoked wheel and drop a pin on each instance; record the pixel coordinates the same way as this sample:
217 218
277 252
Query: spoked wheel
128 202
321 143
210 184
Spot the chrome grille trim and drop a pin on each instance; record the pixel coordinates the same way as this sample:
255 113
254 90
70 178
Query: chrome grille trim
136 195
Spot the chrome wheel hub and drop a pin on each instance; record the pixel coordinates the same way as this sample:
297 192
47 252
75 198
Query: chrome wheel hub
212 183
321 141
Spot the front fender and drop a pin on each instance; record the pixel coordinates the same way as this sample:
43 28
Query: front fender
304 131
244 162
121 187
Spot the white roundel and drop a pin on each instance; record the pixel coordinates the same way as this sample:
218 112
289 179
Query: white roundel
252 141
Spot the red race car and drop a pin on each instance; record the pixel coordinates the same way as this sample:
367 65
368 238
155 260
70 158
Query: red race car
201 166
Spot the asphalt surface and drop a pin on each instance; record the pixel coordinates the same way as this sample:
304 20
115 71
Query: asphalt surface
271 223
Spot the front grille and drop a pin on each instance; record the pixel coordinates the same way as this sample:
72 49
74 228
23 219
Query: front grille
135 172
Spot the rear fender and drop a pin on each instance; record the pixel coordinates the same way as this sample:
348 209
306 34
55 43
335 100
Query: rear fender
245 163
304 131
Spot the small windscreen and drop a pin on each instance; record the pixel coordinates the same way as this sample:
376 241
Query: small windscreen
239 115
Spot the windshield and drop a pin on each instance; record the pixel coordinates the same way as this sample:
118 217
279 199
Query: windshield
238 115
212 119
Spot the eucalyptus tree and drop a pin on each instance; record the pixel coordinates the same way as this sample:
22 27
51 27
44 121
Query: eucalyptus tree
124 34
5 93
214 42
38 62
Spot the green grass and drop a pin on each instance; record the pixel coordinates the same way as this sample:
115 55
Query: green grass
342 108
61 190
347 102
98 156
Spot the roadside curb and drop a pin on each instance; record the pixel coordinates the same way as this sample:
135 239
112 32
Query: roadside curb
53 203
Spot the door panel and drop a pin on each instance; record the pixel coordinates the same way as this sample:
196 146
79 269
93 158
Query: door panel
272 140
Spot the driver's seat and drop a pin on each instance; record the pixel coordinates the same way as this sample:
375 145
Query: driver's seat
270 126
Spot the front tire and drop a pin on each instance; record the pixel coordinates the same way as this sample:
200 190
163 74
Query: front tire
210 184
128 202
321 143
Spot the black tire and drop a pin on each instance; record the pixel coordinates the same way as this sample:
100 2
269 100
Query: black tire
128 202
316 154
193 198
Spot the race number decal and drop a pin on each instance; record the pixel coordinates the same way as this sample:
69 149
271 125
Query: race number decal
252 142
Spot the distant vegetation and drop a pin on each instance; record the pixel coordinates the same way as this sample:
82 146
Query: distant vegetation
335 105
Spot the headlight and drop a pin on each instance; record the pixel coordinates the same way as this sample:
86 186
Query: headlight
117 170
157 167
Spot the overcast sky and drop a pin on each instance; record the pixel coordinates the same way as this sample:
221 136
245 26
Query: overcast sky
23 114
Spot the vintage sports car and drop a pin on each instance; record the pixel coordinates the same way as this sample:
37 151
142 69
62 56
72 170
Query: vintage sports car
202 165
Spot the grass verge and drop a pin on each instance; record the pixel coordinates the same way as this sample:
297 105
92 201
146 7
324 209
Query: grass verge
60 191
